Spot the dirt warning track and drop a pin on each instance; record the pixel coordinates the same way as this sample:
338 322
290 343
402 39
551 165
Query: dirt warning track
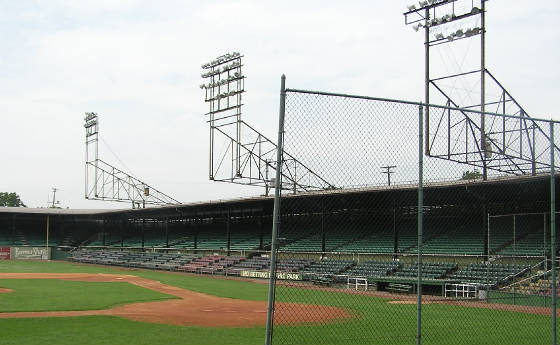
191 309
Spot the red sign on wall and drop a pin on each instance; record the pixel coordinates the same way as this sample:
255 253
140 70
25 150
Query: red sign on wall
4 253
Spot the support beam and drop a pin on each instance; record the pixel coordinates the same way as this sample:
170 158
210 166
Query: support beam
323 230
485 227
143 231
103 230
48 225
395 232
166 232
261 232
228 230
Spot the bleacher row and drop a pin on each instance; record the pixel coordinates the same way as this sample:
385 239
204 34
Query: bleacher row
205 240
438 242
491 274
332 270
22 239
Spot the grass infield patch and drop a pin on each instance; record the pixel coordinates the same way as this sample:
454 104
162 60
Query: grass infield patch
63 295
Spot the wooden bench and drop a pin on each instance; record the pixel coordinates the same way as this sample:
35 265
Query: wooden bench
325 281
395 287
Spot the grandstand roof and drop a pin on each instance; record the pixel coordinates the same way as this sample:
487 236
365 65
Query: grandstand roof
52 211
504 189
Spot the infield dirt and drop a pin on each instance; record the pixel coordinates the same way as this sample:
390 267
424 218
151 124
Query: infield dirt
191 309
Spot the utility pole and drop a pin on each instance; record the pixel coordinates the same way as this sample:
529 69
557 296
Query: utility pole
388 171
52 203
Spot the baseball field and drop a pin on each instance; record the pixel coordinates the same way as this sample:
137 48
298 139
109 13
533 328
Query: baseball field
64 303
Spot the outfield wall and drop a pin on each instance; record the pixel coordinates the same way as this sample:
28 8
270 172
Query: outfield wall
27 253
4 253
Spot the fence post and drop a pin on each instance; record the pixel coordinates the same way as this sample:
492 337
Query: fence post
276 213
420 222
488 259
553 230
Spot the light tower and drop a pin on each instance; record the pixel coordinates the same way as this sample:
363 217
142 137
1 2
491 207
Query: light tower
224 85
107 182
238 152
435 17
92 151
469 131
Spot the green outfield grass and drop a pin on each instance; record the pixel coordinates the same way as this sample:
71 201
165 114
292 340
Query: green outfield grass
29 266
93 330
386 323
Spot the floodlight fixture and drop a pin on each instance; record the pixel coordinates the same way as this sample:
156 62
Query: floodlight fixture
411 7
473 32
90 121
423 3
439 36
90 116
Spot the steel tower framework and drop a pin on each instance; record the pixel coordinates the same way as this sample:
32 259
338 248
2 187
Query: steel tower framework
103 181
238 152
503 145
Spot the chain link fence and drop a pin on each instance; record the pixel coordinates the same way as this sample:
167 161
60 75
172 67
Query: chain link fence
404 246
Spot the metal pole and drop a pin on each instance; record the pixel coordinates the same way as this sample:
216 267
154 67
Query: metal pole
211 150
323 239
96 159
166 232
427 78
238 144
488 258
86 181
143 232
544 243
276 213
48 222
553 230
228 231
483 89
420 223
514 234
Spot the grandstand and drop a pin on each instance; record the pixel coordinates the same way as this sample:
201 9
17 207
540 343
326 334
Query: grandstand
236 233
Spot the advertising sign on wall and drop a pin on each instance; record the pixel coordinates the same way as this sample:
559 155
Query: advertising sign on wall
30 253
266 275
4 253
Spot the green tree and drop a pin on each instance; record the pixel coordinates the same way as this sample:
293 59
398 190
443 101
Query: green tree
471 175
10 200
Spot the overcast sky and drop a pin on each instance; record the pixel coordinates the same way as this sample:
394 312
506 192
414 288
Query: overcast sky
137 64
